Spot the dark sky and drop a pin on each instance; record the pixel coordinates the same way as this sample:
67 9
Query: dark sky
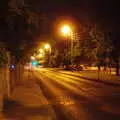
59 5
98 8
78 9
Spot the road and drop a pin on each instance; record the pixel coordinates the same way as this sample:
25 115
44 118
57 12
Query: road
74 98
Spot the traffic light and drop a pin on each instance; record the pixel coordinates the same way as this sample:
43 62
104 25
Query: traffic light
34 63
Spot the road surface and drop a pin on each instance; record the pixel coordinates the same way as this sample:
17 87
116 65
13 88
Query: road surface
74 98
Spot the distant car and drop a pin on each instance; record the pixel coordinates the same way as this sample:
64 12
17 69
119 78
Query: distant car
74 68
68 68
79 68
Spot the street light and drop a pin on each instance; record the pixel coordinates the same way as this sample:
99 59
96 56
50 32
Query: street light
41 51
40 55
47 48
67 32
32 58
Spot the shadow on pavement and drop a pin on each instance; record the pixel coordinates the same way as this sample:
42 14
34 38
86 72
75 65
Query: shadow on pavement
15 111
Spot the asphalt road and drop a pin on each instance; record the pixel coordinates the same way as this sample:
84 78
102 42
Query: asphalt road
74 98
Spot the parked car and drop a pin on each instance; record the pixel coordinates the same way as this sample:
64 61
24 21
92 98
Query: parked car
78 68
74 68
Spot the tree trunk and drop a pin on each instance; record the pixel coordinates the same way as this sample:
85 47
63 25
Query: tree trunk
99 67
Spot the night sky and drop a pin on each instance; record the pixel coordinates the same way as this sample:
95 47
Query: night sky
80 10
99 9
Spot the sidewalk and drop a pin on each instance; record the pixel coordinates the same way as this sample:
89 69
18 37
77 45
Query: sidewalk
28 102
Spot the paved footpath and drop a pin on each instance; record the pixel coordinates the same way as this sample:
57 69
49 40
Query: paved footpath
28 102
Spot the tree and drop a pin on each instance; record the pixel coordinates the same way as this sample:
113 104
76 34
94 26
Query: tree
115 54
95 44
106 14
3 54
20 26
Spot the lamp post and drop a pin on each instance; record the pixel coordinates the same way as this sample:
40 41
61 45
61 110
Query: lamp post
67 32
41 51
47 48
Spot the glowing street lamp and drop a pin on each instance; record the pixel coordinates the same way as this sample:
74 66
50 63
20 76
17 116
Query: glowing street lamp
41 51
32 58
40 55
47 46
66 30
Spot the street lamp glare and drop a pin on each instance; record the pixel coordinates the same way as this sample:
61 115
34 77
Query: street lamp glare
66 30
41 50
47 46
40 55
32 58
